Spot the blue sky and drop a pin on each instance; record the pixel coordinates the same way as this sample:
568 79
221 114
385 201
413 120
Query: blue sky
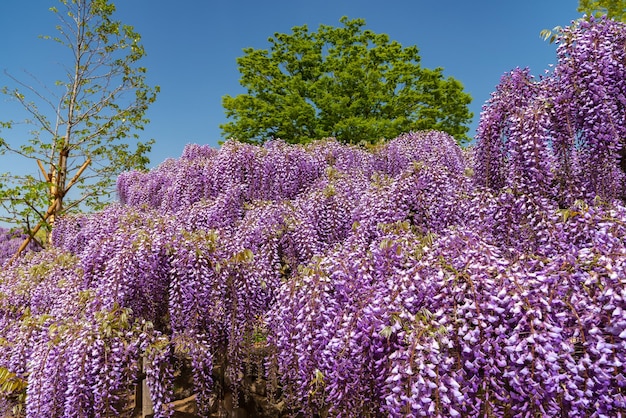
192 46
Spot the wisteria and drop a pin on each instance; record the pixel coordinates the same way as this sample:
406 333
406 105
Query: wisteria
564 132
10 242
411 326
411 278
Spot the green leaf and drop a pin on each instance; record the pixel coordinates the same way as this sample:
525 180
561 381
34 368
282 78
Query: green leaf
10 383
386 332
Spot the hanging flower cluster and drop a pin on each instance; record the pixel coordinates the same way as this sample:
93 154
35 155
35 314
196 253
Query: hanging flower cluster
563 135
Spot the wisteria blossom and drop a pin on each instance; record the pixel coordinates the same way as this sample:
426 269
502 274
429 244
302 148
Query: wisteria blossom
562 134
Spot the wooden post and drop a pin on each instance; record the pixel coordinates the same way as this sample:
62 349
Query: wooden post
146 400
36 229
46 175
77 175
50 212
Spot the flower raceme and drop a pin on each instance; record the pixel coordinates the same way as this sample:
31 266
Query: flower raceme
561 136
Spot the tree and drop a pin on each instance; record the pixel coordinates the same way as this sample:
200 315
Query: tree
614 9
83 126
343 82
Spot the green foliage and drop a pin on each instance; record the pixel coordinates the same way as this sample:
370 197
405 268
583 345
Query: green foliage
88 120
551 34
614 9
12 388
343 82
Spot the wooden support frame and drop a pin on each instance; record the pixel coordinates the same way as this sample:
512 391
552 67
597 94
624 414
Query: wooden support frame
51 208
46 175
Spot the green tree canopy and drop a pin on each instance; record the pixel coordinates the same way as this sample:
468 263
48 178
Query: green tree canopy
614 9
84 126
343 82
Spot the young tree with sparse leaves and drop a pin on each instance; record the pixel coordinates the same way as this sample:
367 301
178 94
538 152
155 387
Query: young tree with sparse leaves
344 82
85 125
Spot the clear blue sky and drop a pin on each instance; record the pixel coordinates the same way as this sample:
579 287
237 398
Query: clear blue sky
192 46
